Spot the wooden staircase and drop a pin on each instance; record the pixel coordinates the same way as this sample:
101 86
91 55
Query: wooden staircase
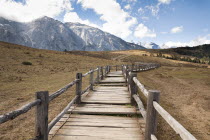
104 113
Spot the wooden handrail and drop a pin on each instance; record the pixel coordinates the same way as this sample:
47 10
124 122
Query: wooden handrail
177 127
13 114
89 72
141 87
86 89
62 90
140 106
60 115
184 134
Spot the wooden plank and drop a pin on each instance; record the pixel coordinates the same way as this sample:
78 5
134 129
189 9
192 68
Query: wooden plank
116 72
98 132
104 109
101 124
113 84
102 98
115 102
113 80
99 127
103 117
111 88
83 137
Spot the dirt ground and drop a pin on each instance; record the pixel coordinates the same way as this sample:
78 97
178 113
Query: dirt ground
185 94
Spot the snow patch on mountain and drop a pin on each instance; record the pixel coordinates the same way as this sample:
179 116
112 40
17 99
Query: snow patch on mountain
47 33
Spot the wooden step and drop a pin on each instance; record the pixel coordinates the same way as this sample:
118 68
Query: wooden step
96 127
105 109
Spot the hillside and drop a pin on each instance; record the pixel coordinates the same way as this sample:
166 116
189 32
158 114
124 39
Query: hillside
184 86
50 70
197 51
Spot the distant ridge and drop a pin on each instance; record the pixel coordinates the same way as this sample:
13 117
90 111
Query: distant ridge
196 51
48 33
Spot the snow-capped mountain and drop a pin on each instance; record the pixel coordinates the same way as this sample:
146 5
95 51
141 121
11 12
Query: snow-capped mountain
98 40
151 45
43 33
47 33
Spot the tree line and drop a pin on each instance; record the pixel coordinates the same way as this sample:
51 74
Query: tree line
204 60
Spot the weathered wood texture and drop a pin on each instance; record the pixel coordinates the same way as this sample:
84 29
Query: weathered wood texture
151 116
91 80
89 119
132 87
105 109
140 106
79 87
41 129
13 114
98 127
108 95
141 87
113 80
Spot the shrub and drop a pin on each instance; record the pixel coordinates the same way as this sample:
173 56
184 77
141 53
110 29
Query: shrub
26 63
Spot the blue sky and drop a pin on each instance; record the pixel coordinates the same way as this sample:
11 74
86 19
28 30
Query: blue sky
168 22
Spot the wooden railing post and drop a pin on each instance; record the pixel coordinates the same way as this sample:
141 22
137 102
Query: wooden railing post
106 71
133 87
151 116
79 87
98 75
116 68
102 73
41 124
132 67
127 74
91 79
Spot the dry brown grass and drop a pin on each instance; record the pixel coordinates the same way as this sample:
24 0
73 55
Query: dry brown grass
50 70
184 86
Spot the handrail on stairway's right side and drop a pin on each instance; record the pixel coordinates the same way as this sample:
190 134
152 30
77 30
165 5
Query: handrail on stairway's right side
153 106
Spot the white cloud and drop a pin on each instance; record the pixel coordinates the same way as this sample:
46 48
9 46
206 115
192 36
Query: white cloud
154 9
177 29
142 31
141 10
165 1
117 21
195 42
130 1
73 17
128 7
33 9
